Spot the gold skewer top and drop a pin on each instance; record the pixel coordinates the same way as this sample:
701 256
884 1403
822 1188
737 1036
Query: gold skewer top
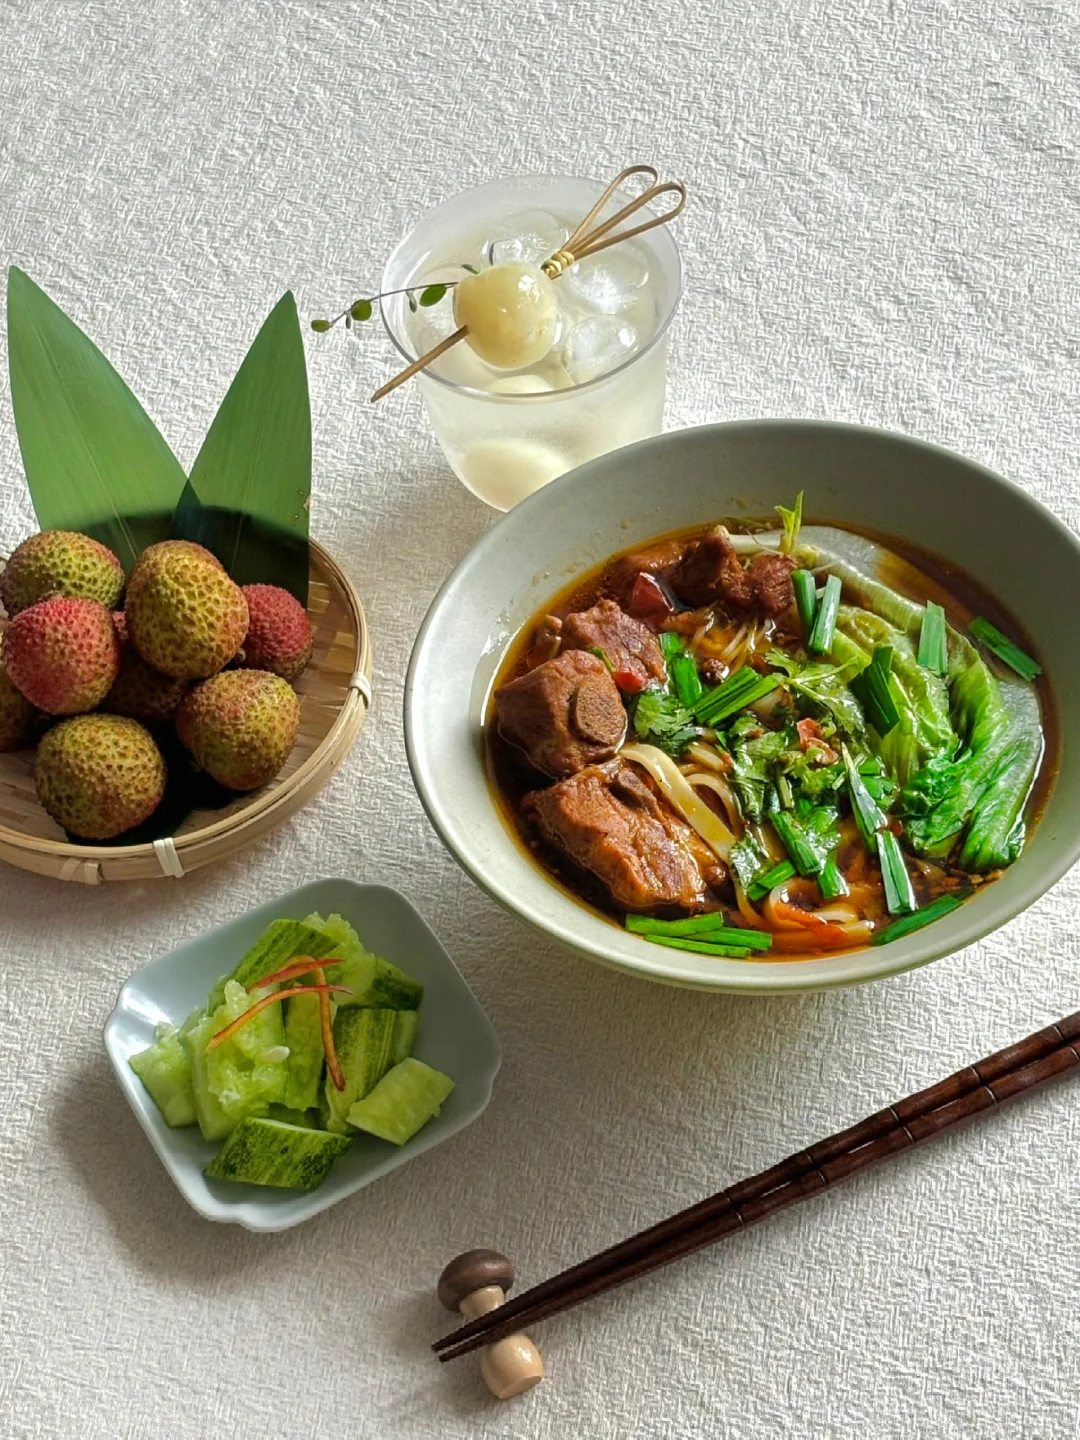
585 241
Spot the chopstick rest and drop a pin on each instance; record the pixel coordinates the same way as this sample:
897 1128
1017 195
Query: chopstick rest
476 1283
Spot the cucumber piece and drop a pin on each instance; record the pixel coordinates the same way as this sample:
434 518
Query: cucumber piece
235 1080
280 942
364 1041
269 1152
303 1036
405 1028
403 1101
165 1071
306 1119
374 982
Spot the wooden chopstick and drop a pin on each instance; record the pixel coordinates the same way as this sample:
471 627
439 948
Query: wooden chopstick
1008 1073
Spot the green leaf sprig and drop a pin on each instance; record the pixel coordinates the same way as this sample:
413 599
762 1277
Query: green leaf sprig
418 296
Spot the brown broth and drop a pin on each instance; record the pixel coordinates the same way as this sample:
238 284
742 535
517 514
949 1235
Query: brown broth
511 777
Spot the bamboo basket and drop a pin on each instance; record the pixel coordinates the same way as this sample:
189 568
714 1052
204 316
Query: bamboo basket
335 692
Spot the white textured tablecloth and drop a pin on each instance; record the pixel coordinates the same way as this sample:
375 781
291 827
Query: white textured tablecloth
884 229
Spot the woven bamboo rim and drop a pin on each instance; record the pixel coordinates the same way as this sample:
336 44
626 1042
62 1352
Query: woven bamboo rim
335 692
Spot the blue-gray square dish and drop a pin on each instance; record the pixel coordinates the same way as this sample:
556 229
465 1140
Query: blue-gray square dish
455 1037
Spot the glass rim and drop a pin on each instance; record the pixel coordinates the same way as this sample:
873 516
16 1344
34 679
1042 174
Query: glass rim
543 397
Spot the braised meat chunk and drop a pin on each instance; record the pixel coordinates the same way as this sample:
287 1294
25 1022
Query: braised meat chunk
564 714
607 821
770 578
659 560
712 570
631 646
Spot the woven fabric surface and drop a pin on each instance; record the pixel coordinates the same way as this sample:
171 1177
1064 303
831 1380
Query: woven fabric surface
883 229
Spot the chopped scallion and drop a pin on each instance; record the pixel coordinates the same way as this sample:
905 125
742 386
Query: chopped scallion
769 881
899 891
604 658
713 927
738 691
1001 646
803 855
871 689
869 816
702 947
933 642
670 644
831 882
936 910
825 622
685 680
805 587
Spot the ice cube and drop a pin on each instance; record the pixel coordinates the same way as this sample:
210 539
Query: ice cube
533 237
597 344
608 283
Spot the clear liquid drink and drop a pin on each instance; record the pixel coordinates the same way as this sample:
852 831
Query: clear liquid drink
506 433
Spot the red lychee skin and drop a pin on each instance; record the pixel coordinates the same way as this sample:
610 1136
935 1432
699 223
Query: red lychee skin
62 654
279 635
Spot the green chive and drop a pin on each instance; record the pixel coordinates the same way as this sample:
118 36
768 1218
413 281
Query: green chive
702 947
670 644
943 905
805 600
869 816
803 856
899 892
825 624
738 691
716 922
1001 646
831 882
933 644
769 881
871 689
604 658
685 680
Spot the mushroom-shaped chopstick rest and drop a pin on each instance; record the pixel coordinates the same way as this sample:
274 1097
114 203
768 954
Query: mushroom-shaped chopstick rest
475 1283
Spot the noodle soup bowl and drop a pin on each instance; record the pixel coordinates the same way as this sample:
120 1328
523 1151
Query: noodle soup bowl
860 478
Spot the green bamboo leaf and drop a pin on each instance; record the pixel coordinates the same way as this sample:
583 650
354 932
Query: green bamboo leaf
250 486
94 459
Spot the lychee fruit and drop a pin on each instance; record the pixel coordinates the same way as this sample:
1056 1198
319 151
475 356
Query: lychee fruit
240 726
17 716
99 775
279 635
62 654
185 616
139 691
60 562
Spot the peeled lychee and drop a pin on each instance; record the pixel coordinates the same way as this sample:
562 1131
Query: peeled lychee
279 635
60 562
99 775
240 726
185 616
62 654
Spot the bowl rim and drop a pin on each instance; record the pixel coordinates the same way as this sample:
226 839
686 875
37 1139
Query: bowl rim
309 1203
262 803
972 922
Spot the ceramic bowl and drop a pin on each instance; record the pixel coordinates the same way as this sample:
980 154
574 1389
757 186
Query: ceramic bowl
455 1036
864 478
